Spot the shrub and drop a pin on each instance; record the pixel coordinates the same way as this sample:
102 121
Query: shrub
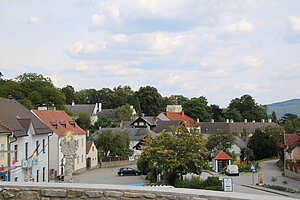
211 183
143 165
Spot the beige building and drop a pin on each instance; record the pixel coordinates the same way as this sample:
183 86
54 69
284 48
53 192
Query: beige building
91 155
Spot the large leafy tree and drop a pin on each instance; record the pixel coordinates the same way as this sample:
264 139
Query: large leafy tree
70 94
178 153
264 142
217 112
83 120
33 89
248 108
149 99
220 140
124 113
197 108
113 143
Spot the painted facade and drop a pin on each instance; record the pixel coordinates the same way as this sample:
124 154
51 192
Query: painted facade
92 155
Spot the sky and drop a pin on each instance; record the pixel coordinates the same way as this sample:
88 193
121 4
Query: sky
213 48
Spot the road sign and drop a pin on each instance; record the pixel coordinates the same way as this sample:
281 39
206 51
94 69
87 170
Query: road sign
253 167
227 184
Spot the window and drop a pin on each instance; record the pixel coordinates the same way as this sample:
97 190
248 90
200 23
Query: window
37 175
44 171
37 147
44 146
16 179
16 153
82 158
26 150
93 149
2 149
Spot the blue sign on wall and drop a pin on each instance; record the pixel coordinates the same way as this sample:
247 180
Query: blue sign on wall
253 167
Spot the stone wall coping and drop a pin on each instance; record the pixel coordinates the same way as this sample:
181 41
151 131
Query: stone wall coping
145 189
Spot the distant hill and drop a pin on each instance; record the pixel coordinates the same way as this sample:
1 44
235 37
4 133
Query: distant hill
281 108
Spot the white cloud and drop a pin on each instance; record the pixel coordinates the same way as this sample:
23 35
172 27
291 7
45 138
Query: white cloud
175 79
82 66
252 61
122 69
246 86
242 26
294 22
86 48
35 20
120 37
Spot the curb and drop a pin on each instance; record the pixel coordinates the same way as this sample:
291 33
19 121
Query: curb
271 191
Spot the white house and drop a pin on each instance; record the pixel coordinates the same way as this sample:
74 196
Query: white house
60 123
91 155
91 109
29 141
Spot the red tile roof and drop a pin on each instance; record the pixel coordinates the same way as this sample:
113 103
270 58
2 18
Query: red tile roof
59 122
292 140
222 156
88 147
180 116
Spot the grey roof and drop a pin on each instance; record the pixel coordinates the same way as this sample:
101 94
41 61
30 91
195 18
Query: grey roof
135 134
18 118
209 127
109 113
166 126
87 108
240 142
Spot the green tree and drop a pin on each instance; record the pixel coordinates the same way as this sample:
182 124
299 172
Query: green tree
220 140
87 96
103 122
70 94
83 120
264 142
178 153
288 116
197 108
217 112
113 143
248 108
124 113
274 117
246 154
233 114
149 99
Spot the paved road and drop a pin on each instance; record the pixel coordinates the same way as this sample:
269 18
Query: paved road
108 176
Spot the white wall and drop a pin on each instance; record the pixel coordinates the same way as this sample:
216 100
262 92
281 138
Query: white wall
93 154
18 174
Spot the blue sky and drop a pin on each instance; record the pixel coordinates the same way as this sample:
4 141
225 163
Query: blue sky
213 48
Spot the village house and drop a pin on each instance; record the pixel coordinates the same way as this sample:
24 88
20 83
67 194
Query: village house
29 142
91 155
61 123
5 133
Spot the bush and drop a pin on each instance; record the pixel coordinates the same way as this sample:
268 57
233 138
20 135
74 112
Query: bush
143 165
211 183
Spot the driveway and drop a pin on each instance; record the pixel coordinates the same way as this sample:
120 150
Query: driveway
108 176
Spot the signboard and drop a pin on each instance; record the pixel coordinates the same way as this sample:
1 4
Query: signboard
131 158
227 184
253 167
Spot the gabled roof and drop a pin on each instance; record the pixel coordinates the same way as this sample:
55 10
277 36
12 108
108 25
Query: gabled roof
222 156
179 116
151 121
109 113
88 146
59 122
166 126
4 128
292 140
135 134
87 108
18 118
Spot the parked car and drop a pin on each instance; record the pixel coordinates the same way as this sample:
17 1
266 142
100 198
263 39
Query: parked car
128 171
232 170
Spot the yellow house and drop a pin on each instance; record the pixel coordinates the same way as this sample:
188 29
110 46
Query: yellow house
4 149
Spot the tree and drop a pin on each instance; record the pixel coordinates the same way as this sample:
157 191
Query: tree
264 142
290 126
113 143
288 116
1 75
124 113
178 153
197 108
248 108
233 114
220 140
217 112
149 99
274 117
83 120
70 94
87 96
273 179
246 154
103 122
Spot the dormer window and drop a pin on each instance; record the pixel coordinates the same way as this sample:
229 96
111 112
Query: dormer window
54 124
64 124
72 123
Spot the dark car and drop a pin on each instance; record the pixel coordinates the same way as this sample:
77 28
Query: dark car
128 171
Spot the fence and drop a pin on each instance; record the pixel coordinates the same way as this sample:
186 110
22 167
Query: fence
114 159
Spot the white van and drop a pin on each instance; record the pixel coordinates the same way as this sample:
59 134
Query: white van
232 170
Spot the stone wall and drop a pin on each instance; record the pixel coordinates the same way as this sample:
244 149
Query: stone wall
74 191
117 163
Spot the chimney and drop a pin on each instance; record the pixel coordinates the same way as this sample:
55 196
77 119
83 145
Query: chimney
143 115
253 121
73 103
10 97
245 121
263 120
198 121
231 120
227 121
99 107
212 121
182 113
270 120
42 107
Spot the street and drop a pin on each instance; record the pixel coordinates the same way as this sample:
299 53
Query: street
268 170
